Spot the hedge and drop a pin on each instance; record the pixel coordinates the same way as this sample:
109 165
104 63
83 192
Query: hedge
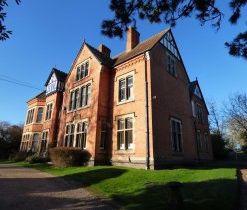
68 156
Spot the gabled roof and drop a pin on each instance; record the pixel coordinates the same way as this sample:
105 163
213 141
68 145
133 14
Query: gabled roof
192 87
61 76
103 59
140 48
40 95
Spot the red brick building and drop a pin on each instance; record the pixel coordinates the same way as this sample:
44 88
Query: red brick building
138 108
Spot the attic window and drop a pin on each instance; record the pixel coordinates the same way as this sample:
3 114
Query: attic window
82 70
170 44
197 92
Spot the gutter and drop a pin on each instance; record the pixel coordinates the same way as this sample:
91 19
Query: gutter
147 57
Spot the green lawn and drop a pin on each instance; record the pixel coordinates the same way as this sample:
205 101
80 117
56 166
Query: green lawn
203 188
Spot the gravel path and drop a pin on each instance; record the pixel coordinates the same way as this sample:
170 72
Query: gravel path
29 189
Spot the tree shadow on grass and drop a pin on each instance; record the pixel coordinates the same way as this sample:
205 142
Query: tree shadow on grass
95 176
207 195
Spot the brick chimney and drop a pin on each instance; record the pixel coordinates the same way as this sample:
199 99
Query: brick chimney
132 38
105 50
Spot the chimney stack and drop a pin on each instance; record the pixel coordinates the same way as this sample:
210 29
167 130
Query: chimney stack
132 38
105 50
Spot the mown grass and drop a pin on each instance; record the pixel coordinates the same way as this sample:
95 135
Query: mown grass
203 188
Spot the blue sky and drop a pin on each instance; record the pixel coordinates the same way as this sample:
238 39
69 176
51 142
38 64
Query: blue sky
49 34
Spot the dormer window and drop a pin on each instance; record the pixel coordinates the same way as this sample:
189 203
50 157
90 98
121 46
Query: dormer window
197 92
82 70
52 85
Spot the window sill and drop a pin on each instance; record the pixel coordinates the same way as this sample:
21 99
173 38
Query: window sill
124 152
125 102
78 109
80 80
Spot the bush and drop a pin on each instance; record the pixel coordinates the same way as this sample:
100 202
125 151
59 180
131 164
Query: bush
36 158
19 156
68 156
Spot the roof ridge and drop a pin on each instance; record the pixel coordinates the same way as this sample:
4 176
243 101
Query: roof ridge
151 37
40 95
142 47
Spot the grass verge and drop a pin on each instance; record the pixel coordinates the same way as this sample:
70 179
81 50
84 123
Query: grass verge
203 188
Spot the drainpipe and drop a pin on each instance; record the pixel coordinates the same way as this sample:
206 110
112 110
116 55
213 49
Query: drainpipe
147 57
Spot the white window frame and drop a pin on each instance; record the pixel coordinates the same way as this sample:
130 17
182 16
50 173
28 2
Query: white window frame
52 85
181 134
124 146
78 99
46 109
124 77
38 138
26 137
27 116
75 123
69 134
46 139
81 132
37 112
81 64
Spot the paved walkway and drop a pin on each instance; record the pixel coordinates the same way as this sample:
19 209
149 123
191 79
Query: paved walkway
29 189
243 190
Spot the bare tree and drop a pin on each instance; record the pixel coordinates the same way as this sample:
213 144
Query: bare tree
216 120
237 116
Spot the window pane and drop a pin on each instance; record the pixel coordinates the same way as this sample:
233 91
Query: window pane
129 123
120 124
86 68
78 73
129 138
84 137
39 115
82 71
129 87
122 89
78 140
120 138
82 98
75 99
71 100
72 128
176 136
88 93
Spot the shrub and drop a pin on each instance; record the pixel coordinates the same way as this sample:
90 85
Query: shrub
68 156
19 156
36 158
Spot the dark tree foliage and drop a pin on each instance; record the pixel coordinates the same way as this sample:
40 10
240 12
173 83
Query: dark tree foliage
218 146
4 33
10 138
126 13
